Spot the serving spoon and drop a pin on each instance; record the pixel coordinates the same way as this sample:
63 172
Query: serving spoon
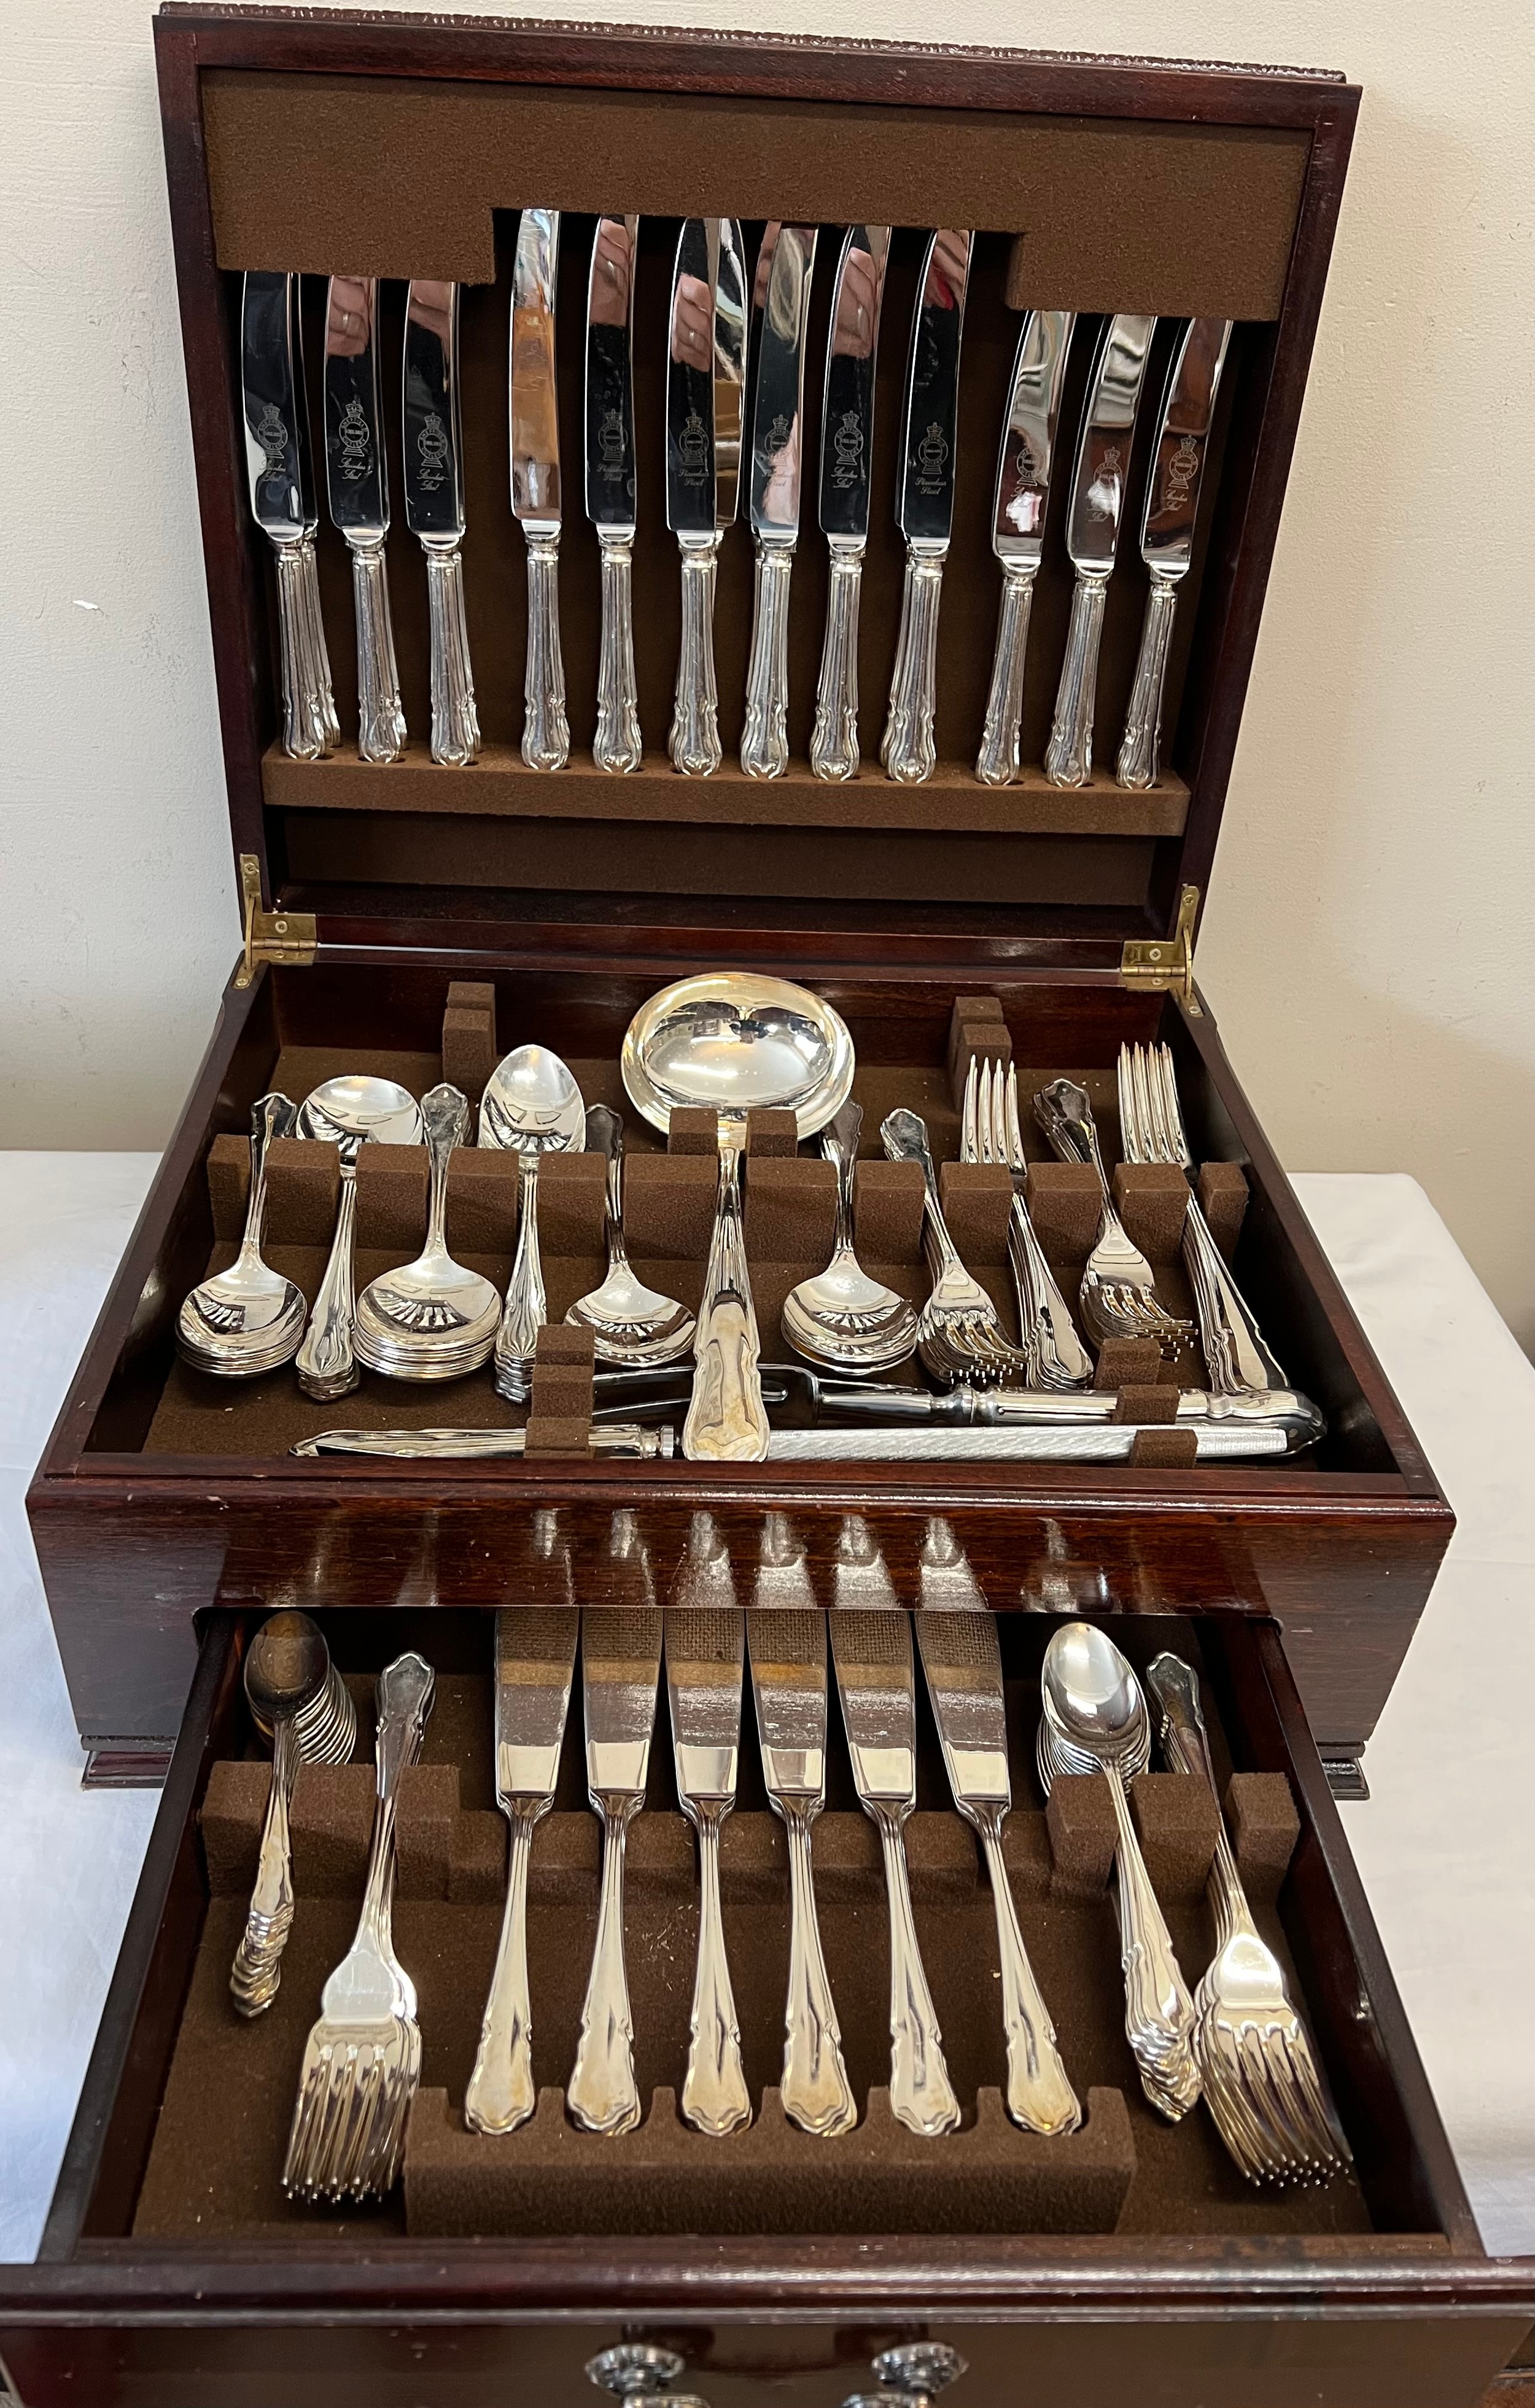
632 1325
433 1319
345 1113
532 1106
297 1698
248 1319
841 1318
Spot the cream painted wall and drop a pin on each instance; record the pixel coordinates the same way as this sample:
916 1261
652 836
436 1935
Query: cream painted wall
1368 940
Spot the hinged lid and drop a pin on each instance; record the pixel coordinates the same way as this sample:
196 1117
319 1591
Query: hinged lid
1167 962
287 936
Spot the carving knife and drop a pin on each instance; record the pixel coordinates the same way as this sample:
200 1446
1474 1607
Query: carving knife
536 481
847 450
705 1643
925 505
357 487
778 420
1017 526
706 362
621 1665
1092 534
1167 530
281 483
434 507
535 1667
611 483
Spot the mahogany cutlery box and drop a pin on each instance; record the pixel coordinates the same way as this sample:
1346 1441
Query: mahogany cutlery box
414 921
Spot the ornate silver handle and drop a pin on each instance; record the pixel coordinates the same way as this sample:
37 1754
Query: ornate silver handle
726 1419
917 2370
1045 1322
1235 1356
546 731
257 1969
470 1445
921 2096
455 723
501 2093
1039 2097
1158 2010
904 1136
1069 758
325 1364
637 2370
906 751
316 659
617 746
404 1700
527 1307
303 728
765 733
834 744
380 720
997 764
1138 752
445 1116
694 741
602 2096
714 2095
271 1116
815 2090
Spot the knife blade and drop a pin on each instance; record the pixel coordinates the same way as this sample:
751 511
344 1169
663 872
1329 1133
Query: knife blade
621 1665
704 1647
357 488
281 487
1018 513
612 483
926 499
535 1667
1166 531
778 420
702 463
731 329
433 453
536 497
847 451
1099 485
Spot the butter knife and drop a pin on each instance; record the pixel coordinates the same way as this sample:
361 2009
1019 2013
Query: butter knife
357 488
963 1662
778 420
1099 485
535 1665
847 450
872 1652
706 365
621 1664
704 1647
1166 531
1017 528
281 486
612 484
536 499
434 509
924 506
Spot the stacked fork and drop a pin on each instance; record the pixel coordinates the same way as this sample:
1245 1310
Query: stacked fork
990 1132
1118 1290
959 1330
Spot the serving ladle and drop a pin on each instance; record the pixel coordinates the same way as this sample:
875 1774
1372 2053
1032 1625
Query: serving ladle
248 1319
345 1113
632 1326
532 1106
433 1319
841 1318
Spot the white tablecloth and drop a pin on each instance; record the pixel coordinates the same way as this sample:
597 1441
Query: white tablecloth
1447 1844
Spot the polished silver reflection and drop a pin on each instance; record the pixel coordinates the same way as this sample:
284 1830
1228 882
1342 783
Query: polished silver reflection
433 453
612 484
925 500
346 1112
960 1329
248 1319
633 1326
621 1664
536 492
1017 532
990 1131
705 368
531 1106
357 486
482 1445
784 274
841 1318
1098 488
1118 1286
847 458
433 1319
280 481
299 1701
705 1640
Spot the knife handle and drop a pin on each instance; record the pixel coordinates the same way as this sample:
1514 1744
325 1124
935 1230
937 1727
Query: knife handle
501 2093
303 728
455 723
765 736
834 745
1138 751
906 751
726 1419
1040 2095
546 731
920 2095
1069 760
715 2099
318 678
616 746
380 721
997 761
815 2090
602 2095
694 742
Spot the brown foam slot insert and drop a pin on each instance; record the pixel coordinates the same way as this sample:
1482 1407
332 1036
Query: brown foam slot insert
559 1419
977 1030
470 1050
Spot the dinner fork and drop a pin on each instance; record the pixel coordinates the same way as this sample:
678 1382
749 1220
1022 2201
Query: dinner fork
990 1132
361 2060
1261 2076
1152 1126
959 1332
1118 1293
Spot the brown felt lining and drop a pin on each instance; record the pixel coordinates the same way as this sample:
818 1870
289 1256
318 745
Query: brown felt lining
217 2151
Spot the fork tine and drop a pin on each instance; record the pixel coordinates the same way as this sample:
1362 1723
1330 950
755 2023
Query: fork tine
1324 2140
1173 1110
997 1126
1154 1143
1129 1133
1014 1156
967 1117
991 1073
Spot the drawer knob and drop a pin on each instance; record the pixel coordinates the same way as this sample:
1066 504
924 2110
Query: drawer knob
916 2371
634 2369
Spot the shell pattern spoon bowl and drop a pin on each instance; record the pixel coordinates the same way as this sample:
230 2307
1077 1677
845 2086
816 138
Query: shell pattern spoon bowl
248 1319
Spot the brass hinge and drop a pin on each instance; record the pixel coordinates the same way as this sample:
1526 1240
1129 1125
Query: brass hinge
1167 962
281 936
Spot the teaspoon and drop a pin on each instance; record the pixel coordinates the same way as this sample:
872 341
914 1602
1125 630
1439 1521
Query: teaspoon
532 1106
345 1113
841 1318
631 1325
297 1698
248 1318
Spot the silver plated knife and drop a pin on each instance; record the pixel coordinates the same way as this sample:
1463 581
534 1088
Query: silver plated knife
705 1645
357 488
778 420
788 1651
705 366
621 1665
1099 487
925 500
1166 531
434 509
872 1652
536 501
535 1666
847 451
281 486
1017 526
612 483
963 1662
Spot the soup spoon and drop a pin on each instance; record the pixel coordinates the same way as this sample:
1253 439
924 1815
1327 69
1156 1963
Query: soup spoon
532 1106
432 1319
842 1318
299 1700
248 1318
631 1325
345 1113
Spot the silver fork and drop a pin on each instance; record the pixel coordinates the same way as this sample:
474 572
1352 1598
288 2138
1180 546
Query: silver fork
990 1132
1152 1126
361 2060
960 1334
1261 2077
1118 1289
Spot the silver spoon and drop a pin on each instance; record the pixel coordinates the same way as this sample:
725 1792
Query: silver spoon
345 1113
631 1325
532 1106
842 1318
298 1699
432 1319
248 1318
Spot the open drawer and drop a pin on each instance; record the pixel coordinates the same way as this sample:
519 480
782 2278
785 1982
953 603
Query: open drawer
1127 2260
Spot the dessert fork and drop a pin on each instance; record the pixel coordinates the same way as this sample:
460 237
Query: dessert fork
990 1132
361 2060
959 1333
1118 1292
